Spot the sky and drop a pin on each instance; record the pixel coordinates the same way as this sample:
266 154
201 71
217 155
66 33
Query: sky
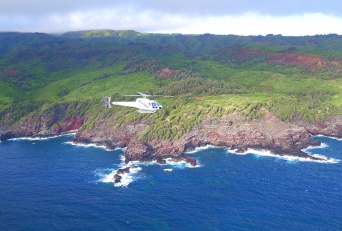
238 17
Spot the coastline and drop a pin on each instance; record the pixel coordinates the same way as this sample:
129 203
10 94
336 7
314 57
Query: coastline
43 137
239 135
303 156
130 166
129 170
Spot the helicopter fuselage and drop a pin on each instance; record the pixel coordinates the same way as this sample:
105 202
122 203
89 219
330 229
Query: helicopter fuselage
147 106
144 105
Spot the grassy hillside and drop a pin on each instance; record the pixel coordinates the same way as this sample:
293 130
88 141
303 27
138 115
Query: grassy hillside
291 76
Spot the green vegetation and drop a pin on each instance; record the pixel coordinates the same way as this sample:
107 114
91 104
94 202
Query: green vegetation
209 74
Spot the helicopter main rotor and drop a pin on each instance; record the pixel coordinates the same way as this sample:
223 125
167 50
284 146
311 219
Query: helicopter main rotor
146 95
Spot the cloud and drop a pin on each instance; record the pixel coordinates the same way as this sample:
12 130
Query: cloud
243 17
257 24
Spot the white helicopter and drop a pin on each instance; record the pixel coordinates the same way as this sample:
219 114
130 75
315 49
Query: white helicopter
144 104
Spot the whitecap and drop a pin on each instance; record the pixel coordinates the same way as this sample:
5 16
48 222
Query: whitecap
308 149
168 170
144 163
32 138
107 175
181 164
323 145
122 149
89 145
235 151
330 137
328 159
169 161
122 158
198 149
251 151
127 178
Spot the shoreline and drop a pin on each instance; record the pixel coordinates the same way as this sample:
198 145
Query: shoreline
129 168
177 159
43 137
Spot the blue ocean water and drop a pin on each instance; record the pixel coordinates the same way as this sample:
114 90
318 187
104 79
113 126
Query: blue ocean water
52 185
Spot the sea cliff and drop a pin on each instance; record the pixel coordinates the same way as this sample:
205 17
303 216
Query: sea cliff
231 131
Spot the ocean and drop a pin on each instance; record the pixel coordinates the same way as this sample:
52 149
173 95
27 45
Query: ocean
50 184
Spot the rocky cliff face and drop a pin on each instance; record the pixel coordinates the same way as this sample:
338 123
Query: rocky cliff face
332 126
45 124
231 131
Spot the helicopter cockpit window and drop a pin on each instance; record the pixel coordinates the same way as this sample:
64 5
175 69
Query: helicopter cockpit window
154 105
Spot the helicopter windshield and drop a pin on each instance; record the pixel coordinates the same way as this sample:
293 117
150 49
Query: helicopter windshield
156 105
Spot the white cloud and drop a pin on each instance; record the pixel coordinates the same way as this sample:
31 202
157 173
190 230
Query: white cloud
133 17
256 24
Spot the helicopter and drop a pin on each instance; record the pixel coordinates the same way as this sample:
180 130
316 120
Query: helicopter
144 105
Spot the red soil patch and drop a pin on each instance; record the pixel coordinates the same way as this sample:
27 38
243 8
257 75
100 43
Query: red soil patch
166 72
69 124
245 52
10 72
73 123
288 58
308 61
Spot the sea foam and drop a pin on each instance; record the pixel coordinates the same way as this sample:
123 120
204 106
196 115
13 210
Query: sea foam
198 149
86 145
181 164
107 175
322 146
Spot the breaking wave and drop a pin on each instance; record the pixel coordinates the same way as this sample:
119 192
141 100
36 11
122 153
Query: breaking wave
107 175
322 146
86 145
198 149
40 138
267 153
92 145
181 164
331 137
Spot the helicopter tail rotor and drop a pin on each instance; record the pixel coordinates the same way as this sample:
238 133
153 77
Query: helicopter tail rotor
106 101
